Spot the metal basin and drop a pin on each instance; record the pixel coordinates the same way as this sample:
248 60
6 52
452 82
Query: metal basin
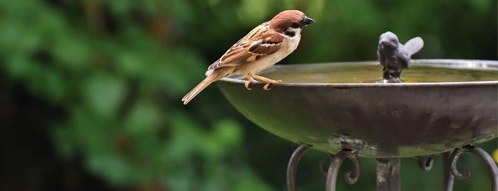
378 120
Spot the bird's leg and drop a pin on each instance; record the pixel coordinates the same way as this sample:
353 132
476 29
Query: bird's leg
267 80
391 75
249 81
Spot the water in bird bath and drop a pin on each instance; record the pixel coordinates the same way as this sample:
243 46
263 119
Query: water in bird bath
370 72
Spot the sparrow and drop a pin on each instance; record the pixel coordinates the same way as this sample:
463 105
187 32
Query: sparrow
261 48
394 56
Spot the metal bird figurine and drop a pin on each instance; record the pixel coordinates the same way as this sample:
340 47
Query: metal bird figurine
394 56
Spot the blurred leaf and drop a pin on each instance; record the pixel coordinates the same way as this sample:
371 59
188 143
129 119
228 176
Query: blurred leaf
91 134
120 8
224 137
130 63
482 5
104 94
250 182
186 137
18 65
250 14
142 117
52 84
368 20
72 51
114 167
178 78
228 131
182 10
63 139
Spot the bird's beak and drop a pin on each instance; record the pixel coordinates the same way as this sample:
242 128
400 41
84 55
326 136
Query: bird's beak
306 21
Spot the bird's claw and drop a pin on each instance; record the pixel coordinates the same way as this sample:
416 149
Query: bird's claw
247 84
268 81
267 85
249 81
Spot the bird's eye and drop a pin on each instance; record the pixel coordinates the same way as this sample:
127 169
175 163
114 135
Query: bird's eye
295 25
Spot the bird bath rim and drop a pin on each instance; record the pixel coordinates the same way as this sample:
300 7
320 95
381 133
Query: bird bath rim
490 65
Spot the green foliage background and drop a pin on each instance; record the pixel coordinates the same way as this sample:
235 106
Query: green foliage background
90 90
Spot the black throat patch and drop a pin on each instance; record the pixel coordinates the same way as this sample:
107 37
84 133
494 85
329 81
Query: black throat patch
290 33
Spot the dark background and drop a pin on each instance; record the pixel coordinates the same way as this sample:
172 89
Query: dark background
90 90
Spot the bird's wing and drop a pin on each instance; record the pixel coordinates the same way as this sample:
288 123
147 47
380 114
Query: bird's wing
260 42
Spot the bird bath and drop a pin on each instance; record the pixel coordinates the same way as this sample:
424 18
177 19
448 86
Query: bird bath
343 109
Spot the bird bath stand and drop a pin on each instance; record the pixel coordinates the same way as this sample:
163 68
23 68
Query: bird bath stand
444 107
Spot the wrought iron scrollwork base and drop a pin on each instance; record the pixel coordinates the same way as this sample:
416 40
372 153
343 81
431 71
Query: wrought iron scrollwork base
425 163
350 177
452 172
292 166
450 160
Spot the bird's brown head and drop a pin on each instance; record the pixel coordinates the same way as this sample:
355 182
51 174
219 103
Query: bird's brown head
290 19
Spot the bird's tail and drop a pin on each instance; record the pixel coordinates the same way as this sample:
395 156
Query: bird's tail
199 87
414 45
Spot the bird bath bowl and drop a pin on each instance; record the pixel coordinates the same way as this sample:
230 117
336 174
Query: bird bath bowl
332 107
444 104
